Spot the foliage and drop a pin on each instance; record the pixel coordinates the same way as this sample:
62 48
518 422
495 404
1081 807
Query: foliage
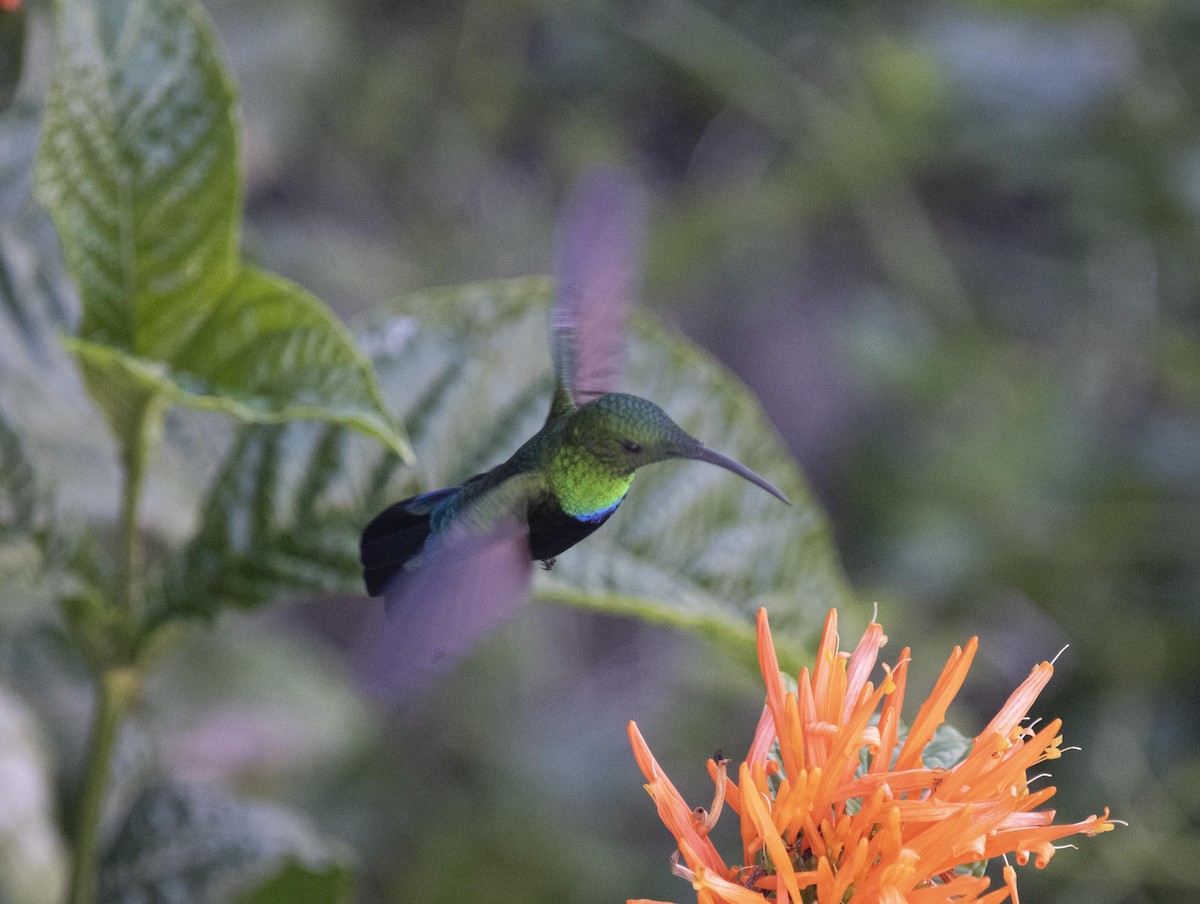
138 167
198 844
469 372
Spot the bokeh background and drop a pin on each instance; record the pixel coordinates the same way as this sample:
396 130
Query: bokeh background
954 247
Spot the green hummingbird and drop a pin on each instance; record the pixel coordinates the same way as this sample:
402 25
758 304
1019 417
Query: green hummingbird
453 562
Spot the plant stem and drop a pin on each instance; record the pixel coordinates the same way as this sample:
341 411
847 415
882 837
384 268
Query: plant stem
115 672
129 552
114 692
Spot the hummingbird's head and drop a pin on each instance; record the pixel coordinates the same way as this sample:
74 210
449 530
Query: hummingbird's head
625 432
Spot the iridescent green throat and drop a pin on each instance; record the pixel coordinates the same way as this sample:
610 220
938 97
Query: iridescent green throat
585 489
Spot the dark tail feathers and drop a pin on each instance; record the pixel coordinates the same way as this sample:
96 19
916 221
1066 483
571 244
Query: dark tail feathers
394 536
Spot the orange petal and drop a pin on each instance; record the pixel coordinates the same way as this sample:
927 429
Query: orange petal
791 737
768 663
843 758
672 809
733 798
1010 883
889 719
959 889
933 711
1026 839
826 884
757 811
983 775
1017 706
849 871
862 661
822 672
724 890
647 762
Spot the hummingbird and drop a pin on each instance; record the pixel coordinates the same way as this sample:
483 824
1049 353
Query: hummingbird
451 563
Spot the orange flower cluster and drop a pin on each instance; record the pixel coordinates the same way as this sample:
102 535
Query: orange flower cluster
10 5
821 822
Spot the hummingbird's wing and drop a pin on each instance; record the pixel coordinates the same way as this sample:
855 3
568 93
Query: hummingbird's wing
471 577
595 280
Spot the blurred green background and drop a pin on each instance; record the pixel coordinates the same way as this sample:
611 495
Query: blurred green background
953 246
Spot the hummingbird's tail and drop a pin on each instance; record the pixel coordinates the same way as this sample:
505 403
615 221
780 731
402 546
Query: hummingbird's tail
395 535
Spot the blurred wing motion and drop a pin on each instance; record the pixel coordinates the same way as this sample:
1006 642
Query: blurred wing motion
596 274
435 613
469 577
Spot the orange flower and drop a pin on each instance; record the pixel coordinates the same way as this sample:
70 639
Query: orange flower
10 5
835 809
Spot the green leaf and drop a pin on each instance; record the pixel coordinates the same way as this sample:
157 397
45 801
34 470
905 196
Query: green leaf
195 844
947 748
469 369
693 545
138 167
12 52
128 390
976 868
297 882
276 520
269 353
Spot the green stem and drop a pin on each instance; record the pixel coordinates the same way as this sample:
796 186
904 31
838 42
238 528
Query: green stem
129 550
114 692
112 661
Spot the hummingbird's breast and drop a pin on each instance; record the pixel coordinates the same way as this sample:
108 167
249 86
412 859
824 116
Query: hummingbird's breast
582 495
585 488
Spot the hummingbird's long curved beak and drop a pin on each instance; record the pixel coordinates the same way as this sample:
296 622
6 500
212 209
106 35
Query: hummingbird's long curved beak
703 453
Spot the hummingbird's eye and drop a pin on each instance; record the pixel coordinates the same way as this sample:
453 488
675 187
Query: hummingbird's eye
631 447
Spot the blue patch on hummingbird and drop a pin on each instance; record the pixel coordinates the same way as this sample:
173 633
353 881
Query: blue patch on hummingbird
598 516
